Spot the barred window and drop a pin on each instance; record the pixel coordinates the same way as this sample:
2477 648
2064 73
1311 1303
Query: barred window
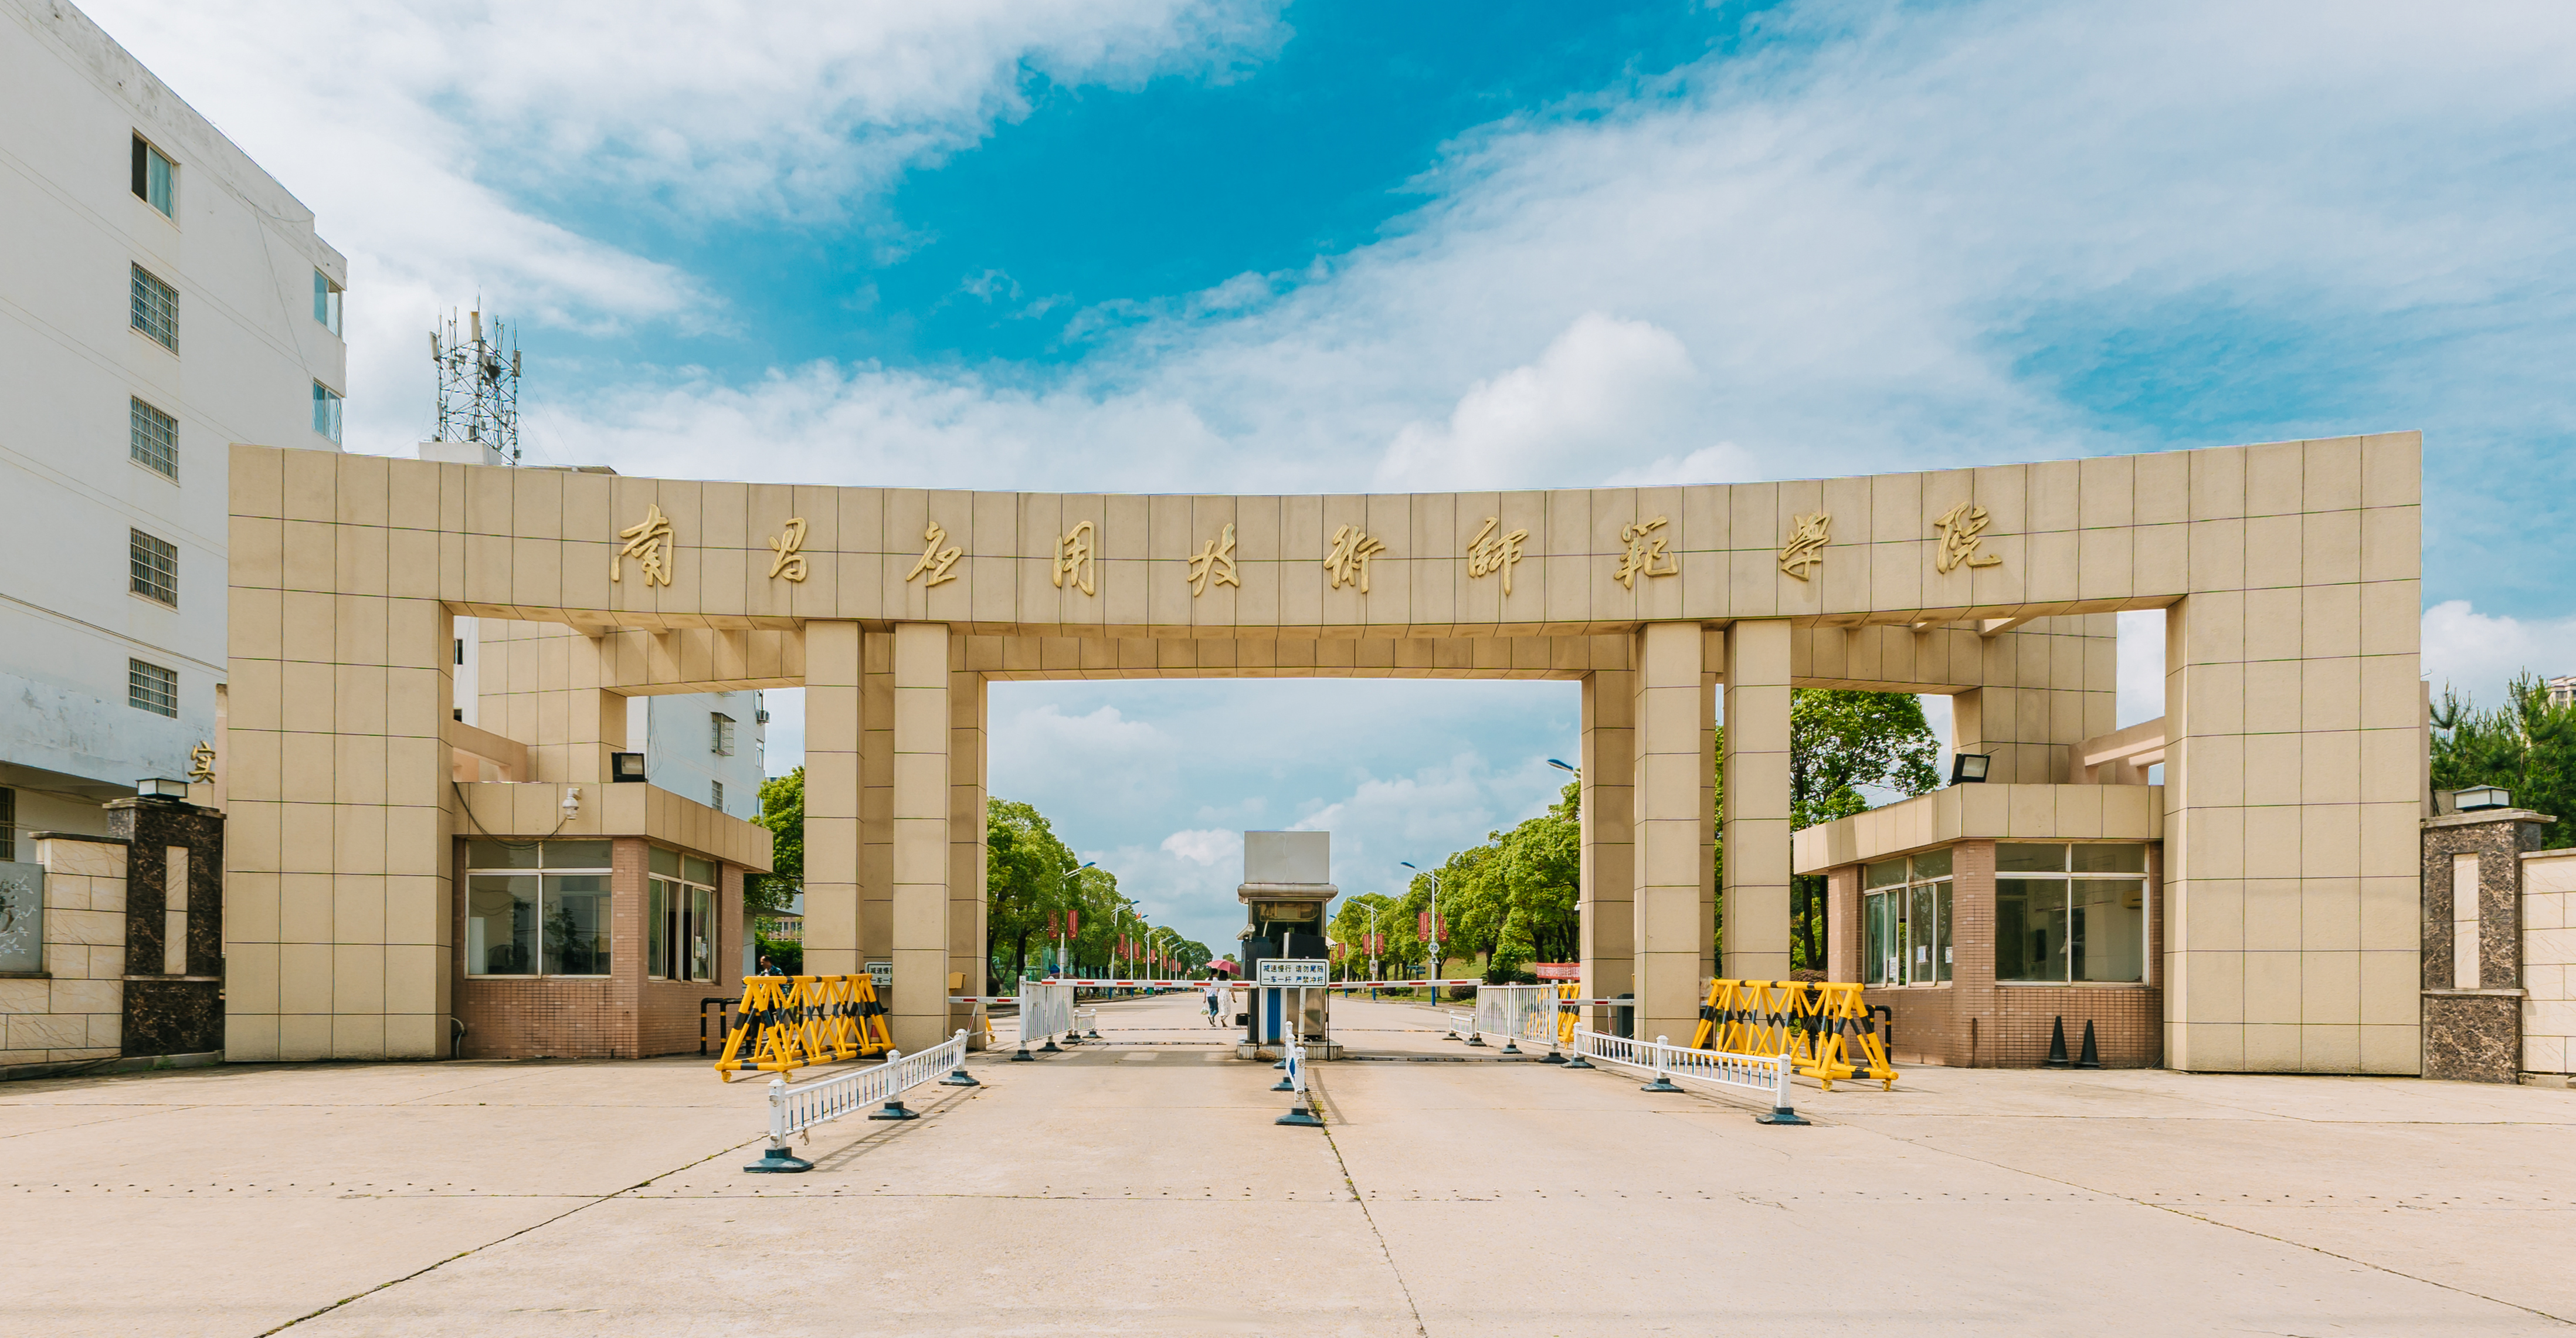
156 568
718 805
723 733
153 436
8 825
149 687
156 309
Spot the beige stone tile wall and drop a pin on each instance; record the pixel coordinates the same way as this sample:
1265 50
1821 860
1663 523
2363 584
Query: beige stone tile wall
1757 801
1607 909
1672 869
79 1011
922 802
2295 773
2549 961
2290 571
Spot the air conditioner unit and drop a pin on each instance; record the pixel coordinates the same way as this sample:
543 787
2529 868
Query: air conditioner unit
761 717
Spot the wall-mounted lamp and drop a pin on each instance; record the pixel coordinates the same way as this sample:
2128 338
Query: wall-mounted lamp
161 787
2479 797
1970 768
626 767
572 801
1563 767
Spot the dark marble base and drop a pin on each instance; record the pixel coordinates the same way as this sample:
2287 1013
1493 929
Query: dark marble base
172 1017
2472 1037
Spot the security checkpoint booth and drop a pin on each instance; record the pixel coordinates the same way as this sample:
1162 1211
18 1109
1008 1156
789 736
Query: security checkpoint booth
1287 885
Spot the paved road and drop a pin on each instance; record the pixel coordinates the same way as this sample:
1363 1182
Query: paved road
1137 1186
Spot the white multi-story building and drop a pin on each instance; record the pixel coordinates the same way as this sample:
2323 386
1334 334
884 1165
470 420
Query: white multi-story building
160 298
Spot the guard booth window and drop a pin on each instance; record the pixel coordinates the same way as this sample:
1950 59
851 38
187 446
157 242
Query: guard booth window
2070 914
1905 912
680 917
536 908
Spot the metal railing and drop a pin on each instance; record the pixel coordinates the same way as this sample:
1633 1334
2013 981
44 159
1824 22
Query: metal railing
1765 1076
1046 1012
794 1110
1517 1013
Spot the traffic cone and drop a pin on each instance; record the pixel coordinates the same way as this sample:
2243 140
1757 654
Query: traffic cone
2057 1045
2091 1058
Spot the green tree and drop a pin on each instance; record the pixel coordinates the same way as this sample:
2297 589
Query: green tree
2526 746
1027 873
782 811
1839 742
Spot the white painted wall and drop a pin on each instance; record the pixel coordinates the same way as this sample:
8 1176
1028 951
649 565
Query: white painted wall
678 746
241 252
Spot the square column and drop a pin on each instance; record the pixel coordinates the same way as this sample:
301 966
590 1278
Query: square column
1607 906
832 720
876 797
1671 854
1757 800
921 833
966 869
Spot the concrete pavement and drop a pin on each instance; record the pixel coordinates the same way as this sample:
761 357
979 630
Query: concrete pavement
1137 1185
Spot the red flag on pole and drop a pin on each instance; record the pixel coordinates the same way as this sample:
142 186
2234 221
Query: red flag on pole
1073 924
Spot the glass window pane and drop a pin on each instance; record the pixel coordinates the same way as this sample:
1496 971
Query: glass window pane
702 934
326 411
501 925
1941 940
657 930
1884 874
577 854
496 855
2030 929
1919 924
2030 859
666 862
2110 929
1874 955
162 180
152 438
701 872
2110 859
1932 864
576 919
149 687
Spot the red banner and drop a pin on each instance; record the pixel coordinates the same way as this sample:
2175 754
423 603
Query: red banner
1073 924
1422 926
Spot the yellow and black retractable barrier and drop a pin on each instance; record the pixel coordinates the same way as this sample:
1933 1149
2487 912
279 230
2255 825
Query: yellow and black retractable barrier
789 1022
1825 1029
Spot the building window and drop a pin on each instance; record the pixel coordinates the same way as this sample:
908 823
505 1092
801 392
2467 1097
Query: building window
155 178
156 309
153 438
8 826
155 567
326 302
326 411
537 908
2070 913
149 687
680 938
723 733
718 795
1905 918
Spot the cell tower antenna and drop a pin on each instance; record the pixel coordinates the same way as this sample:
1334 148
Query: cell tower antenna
478 383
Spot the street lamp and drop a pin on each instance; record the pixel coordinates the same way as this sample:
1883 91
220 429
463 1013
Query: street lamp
1435 921
1563 767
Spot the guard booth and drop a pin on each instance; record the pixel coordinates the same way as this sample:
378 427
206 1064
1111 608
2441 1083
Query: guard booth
1287 887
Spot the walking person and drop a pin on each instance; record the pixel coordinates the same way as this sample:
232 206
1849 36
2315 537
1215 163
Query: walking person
1215 999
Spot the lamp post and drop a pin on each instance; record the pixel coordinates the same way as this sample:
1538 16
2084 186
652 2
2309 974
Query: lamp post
1434 875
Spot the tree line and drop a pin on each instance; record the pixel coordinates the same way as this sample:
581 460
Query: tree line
1513 900
1032 882
2526 747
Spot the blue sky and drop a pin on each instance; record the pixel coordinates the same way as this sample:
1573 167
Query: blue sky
1234 245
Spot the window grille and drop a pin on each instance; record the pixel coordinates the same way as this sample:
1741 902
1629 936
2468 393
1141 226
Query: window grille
149 687
719 792
722 733
153 437
155 567
8 826
156 309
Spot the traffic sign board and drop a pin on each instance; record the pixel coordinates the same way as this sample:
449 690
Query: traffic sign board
1293 971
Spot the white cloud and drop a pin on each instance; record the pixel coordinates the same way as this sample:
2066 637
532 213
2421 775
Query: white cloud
2476 654
1601 386
1838 253
1202 847
438 147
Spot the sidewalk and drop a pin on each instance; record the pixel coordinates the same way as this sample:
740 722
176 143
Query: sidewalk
1137 1186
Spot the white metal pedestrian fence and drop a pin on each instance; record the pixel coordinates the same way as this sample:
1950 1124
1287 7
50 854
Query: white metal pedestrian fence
1046 1012
1763 1076
793 1110
1517 1015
